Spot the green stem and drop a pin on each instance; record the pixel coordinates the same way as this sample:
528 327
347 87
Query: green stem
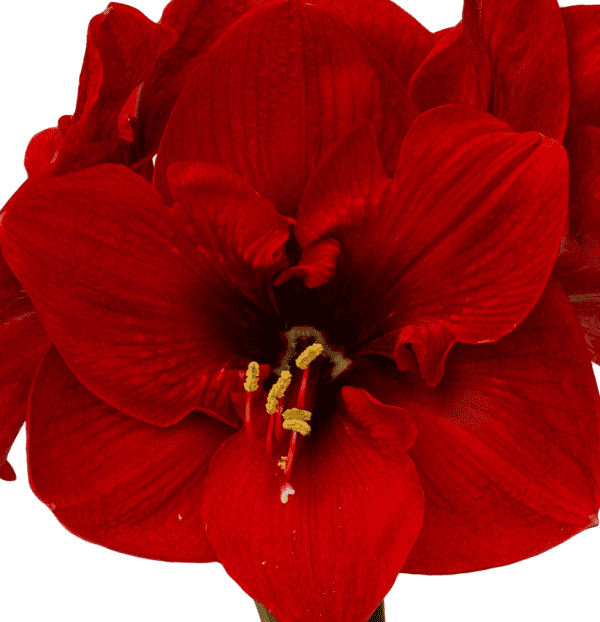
377 616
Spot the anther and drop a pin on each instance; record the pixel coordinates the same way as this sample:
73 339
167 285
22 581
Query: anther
297 426
277 391
309 355
252 374
251 384
297 413
282 463
295 419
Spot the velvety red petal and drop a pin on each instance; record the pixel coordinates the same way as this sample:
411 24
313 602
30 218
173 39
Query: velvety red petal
130 291
113 480
527 51
578 266
465 236
122 49
13 400
42 151
513 56
507 448
582 25
334 549
198 24
583 147
400 39
448 76
281 86
578 270
23 343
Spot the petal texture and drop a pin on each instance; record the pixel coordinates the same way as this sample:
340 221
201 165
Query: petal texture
23 343
507 449
115 481
512 60
198 24
306 77
333 550
458 247
400 39
578 266
582 25
154 309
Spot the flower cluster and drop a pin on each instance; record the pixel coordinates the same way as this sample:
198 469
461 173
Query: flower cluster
308 290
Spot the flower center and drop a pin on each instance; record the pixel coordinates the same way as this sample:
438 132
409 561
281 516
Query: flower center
290 409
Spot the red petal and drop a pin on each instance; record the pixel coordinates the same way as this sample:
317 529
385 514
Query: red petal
224 205
23 343
578 266
448 76
526 49
317 265
507 449
582 25
198 23
466 236
115 481
400 39
130 292
122 48
518 54
578 270
334 550
13 399
583 147
306 77
7 473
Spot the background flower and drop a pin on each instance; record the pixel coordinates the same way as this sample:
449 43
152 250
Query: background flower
103 580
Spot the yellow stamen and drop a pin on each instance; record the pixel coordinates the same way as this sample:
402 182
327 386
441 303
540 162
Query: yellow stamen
252 374
297 426
297 413
309 355
282 462
277 391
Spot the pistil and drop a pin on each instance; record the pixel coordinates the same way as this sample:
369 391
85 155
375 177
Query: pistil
282 419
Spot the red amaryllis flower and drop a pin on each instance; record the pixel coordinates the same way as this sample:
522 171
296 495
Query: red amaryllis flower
324 346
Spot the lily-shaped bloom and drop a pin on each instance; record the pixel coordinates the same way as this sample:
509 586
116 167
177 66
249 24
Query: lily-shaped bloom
158 311
325 345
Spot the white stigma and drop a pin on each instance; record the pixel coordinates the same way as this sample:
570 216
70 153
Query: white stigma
286 491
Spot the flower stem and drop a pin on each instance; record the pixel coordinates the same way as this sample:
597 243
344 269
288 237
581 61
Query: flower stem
377 616
265 616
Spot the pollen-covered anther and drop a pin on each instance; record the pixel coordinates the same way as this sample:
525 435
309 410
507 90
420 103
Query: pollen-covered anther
283 462
277 391
297 425
297 413
309 355
252 375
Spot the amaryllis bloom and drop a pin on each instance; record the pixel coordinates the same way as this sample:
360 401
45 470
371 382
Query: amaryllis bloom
321 340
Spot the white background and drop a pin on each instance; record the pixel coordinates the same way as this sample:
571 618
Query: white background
47 574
